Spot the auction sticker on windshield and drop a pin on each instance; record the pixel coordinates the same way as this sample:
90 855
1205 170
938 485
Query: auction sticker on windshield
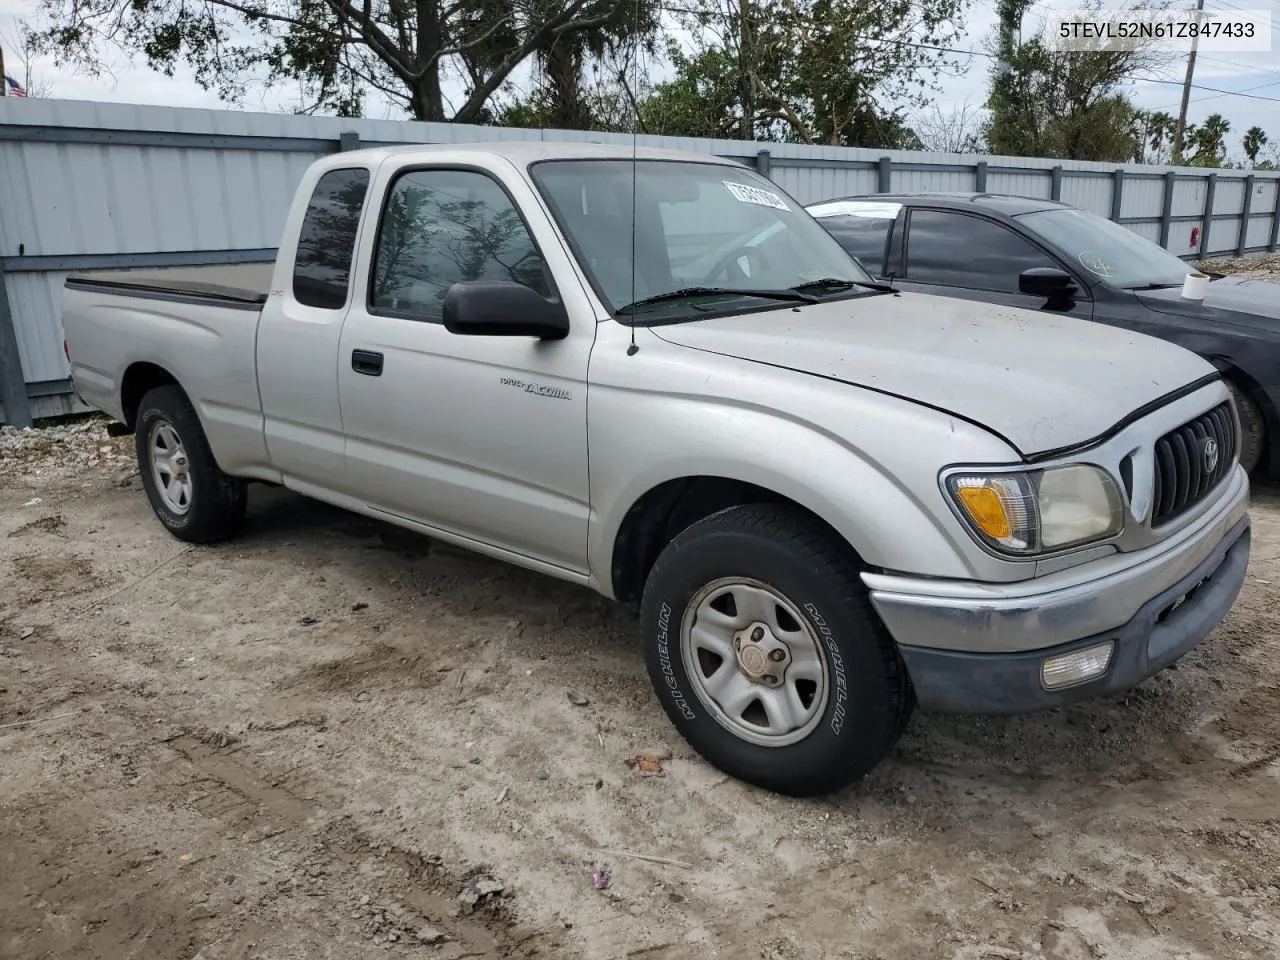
765 198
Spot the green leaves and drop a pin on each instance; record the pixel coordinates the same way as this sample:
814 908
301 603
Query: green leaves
839 72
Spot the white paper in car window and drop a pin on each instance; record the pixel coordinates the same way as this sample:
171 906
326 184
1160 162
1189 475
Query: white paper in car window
764 198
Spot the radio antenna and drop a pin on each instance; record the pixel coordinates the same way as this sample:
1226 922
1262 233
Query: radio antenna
635 120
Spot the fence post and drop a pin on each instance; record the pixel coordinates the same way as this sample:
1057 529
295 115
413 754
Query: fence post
1207 220
1055 184
1166 212
1275 220
980 176
349 140
886 174
763 163
1245 208
13 383
1117 193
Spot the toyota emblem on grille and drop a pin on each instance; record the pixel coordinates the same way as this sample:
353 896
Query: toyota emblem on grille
1210 454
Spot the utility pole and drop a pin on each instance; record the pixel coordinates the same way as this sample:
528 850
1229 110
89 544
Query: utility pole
4 84
746 68
1186 92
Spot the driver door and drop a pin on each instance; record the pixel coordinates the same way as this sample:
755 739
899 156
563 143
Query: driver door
953 254
484 437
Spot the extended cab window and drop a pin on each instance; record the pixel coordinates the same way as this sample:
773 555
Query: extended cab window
958 250
441 227
862 237
327 240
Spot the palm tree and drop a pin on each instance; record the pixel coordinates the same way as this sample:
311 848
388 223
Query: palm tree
1160 126
1254 140
1210 141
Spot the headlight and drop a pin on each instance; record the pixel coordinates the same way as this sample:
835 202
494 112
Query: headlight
1040 511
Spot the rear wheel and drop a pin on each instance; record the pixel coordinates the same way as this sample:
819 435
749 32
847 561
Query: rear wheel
1253 429
766 654
188 491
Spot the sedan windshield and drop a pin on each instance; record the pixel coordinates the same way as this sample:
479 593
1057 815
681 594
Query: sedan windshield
1112 253
706 237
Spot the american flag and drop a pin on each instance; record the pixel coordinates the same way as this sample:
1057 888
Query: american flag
15 88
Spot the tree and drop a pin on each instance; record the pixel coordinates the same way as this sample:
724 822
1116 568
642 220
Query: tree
956 131
838 72
1254 140
1160 127
337 50
1046 102
1208 141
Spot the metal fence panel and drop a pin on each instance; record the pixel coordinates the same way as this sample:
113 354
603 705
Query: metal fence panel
34 299
1223 238
1092 193
112 182
1019 184
1229 195
1142 197
1259 232
1188 197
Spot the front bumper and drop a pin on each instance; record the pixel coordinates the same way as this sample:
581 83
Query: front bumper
978 648
955 682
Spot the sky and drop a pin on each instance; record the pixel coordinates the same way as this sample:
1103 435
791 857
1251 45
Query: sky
1251 79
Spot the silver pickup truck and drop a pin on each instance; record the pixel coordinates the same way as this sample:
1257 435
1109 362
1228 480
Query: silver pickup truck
653 374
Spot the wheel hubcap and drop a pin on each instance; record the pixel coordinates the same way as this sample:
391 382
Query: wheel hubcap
169 467
755 662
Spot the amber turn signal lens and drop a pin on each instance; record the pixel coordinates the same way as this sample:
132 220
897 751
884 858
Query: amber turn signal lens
985 509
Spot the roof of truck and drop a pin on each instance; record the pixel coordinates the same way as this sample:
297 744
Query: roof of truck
529 151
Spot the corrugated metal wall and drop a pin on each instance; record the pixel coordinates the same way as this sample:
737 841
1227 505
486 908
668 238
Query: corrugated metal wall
95 186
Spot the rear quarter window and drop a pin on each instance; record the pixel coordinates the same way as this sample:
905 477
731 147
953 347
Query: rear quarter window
327 240
863 237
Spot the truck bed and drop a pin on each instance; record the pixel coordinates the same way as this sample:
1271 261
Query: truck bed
243 284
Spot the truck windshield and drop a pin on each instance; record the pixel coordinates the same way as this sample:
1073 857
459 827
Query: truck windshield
1112 253
702 231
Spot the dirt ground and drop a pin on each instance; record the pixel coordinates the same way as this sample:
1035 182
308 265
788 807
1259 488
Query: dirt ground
308 742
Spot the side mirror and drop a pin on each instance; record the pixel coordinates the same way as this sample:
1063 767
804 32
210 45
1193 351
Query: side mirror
1049 282
503 309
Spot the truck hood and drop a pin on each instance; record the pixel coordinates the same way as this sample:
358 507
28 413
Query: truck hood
1241 301
1039 380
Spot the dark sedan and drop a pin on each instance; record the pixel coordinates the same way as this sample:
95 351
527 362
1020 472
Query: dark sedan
1043 255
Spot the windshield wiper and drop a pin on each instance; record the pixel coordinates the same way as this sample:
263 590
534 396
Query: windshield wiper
686 292
1154 286
831 283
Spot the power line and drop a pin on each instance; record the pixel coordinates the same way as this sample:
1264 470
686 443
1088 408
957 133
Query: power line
1253 67
1224 5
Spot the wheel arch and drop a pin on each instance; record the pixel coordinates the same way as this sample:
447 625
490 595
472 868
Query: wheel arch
138 379
669 507
1237 376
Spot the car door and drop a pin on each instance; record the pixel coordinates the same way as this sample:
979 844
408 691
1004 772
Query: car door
484 437
966 255
299 331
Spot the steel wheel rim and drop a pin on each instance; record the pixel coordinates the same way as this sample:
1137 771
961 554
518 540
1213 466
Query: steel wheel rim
735 649
170 468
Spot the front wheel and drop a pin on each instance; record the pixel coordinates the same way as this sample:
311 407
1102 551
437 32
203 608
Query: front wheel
188 491
766 654
1253 429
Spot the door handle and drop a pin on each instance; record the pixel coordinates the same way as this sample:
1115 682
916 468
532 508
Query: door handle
368 362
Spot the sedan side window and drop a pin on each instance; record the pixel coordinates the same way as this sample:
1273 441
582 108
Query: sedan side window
861 237
441 227
959 250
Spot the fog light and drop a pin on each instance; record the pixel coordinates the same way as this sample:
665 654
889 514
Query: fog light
1076 666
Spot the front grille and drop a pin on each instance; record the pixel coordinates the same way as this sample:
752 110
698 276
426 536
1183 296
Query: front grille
1186 468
